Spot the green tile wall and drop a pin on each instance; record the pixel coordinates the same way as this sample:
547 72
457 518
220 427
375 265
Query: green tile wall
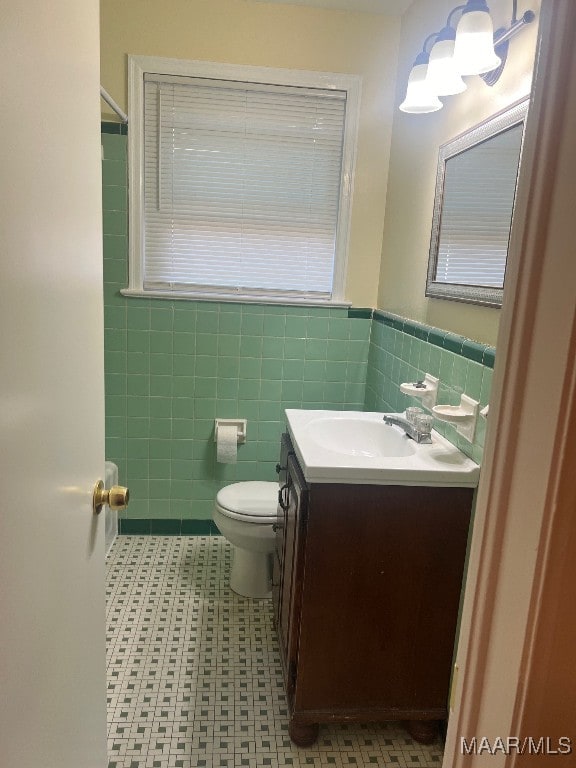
402 350
173 366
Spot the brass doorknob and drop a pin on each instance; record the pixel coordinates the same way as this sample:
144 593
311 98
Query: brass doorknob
116 498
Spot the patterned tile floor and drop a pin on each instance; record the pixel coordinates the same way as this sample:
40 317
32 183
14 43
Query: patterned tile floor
194 676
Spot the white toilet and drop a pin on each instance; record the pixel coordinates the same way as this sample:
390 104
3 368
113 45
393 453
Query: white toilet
245 514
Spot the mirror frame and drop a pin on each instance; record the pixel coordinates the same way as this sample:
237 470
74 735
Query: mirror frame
472 294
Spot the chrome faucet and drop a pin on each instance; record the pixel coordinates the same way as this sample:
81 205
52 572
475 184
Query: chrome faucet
411 430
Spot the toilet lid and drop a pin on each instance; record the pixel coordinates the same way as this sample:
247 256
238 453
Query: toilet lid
254 498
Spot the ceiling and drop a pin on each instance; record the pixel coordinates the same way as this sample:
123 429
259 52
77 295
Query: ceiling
388 7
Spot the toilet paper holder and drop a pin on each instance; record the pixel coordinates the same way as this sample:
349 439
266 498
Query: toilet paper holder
240 425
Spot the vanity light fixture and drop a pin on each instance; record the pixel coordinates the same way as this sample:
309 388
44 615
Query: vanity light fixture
471 48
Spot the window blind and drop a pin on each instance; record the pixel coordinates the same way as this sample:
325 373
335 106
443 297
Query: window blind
242 186
477 212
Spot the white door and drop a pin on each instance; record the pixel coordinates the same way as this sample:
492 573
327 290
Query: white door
52 622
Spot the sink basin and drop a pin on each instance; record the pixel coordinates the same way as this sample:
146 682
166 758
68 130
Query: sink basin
357 447
359 437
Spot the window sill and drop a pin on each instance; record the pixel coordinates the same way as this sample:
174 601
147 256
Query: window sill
214 297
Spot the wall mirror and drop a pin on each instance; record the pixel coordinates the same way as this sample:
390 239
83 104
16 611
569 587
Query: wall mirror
473 205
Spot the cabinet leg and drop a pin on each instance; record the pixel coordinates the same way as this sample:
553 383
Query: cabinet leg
303 734
423 731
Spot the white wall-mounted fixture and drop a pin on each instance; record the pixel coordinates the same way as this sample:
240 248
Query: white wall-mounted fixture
484 411
470 49
464 416
426 390
240 425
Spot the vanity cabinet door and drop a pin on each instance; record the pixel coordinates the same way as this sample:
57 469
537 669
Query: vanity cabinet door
279 527
380 599
286 450
292 517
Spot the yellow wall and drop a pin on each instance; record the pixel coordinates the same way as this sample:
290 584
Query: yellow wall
246 32
413 160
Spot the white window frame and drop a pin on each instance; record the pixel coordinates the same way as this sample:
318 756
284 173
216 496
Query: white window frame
139 65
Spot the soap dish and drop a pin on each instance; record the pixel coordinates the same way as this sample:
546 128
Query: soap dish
451 413
425 390
464 416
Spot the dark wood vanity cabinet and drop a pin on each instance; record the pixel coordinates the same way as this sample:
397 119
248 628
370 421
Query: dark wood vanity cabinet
366 590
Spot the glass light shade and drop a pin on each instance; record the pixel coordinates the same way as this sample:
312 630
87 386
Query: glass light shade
474 46
443 77
419 97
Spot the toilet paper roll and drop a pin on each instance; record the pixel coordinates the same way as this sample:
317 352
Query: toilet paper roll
227 445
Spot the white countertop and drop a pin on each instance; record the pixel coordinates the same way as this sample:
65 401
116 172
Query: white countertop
347 447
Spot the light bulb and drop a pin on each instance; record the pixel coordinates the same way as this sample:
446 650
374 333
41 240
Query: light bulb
419 97
443 77
474 46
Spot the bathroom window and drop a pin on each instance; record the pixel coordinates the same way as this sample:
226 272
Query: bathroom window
240 180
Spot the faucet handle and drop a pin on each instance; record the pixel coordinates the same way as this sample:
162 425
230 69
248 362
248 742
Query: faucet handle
423 423
412 413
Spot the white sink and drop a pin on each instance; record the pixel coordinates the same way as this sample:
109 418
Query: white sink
357 447
358 437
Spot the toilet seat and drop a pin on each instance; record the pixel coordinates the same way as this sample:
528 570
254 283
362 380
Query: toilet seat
253 501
